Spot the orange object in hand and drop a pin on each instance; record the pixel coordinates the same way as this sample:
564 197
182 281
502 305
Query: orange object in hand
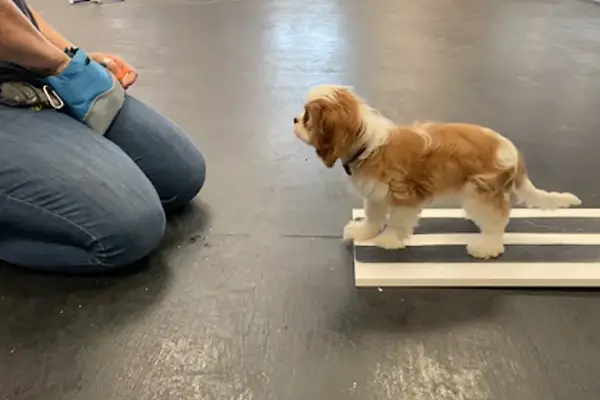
117 67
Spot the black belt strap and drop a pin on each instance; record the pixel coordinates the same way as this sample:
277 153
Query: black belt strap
20 87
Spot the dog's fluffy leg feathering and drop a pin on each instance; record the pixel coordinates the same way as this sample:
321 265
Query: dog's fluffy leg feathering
399 227
491 215
370 226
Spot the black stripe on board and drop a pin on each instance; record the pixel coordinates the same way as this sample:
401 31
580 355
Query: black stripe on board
516 225
458 254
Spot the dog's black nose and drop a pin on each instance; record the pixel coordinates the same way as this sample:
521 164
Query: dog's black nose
295 120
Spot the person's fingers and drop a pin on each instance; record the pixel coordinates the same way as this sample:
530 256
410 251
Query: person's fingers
121 69
129 79
112 65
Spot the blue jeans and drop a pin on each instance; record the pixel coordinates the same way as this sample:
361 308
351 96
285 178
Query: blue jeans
74 201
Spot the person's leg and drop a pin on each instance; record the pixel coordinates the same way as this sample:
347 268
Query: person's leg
162 151
70 200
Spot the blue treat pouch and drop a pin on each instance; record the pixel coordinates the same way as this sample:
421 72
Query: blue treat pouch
90 92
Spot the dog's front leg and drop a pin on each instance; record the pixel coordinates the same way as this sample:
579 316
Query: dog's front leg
371 225
400 226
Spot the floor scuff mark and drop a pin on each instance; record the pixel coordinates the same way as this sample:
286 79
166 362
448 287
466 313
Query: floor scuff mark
420 377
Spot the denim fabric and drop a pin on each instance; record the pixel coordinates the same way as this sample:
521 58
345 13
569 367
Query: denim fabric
74 201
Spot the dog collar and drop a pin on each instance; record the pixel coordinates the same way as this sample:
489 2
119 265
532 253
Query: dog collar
355 157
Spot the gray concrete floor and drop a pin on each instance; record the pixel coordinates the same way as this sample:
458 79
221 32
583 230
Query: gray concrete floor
251 295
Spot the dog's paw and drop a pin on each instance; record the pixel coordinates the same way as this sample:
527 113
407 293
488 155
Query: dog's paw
360 230
389 240
485 249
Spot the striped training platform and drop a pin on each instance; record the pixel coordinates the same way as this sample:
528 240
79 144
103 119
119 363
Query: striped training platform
543 249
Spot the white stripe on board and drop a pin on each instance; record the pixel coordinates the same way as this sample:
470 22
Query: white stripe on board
477 274
515 213
449 239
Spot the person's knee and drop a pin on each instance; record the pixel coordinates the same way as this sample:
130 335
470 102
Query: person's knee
197 177
168 157
189 183
130 233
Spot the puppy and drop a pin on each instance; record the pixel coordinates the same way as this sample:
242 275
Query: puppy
398 170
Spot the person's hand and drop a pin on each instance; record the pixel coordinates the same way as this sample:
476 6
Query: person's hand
124 72
62 65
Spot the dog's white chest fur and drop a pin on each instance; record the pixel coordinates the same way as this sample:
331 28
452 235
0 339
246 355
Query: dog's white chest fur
369 188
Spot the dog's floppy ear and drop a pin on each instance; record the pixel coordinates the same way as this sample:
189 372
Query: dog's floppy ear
324 120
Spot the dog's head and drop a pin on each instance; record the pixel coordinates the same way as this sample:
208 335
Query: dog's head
331 122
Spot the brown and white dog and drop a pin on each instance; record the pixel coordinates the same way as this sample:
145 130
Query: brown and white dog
398 170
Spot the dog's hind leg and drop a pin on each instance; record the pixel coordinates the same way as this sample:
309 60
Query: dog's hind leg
491 213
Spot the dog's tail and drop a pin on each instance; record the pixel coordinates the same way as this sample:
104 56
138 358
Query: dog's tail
532 197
